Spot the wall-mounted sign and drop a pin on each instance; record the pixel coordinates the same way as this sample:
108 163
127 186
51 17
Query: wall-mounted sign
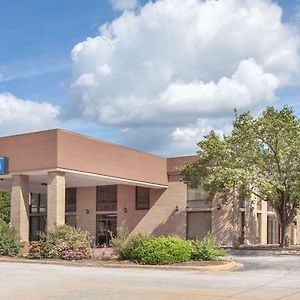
3 165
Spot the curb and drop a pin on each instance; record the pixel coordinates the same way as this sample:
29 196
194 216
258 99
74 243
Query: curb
227 266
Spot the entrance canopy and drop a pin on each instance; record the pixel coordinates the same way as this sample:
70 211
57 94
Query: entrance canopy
85 161
38 180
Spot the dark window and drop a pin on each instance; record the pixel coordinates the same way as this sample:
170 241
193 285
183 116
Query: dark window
142 198
107 198
38 203
106 228
71 220
71 200
37 226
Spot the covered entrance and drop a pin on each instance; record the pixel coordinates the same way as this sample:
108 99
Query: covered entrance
106 227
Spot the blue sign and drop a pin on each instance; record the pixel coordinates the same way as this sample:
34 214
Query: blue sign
3 165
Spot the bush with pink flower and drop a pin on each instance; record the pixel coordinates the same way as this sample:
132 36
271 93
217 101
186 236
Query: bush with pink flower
65 242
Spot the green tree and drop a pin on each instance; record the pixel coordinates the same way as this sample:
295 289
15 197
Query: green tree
260 156
5 206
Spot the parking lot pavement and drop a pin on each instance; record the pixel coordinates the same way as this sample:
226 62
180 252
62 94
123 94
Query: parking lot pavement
272 277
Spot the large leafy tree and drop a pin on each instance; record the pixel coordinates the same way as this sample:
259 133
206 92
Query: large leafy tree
260 156
5 206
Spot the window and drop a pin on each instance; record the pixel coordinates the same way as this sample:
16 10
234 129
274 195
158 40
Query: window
70 205
259 205
107 198
38 204
70 200
38 218
71 220
37 226
197 198
142 198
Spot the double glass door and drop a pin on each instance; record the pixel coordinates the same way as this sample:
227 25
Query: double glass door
106 227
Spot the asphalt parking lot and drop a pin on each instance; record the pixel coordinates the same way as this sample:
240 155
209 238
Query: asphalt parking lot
272 277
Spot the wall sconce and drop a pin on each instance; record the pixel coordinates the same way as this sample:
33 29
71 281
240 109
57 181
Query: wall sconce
295 222
125 210
87 211
176 208
219 206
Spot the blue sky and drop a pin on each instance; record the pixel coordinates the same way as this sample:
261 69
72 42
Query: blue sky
37 38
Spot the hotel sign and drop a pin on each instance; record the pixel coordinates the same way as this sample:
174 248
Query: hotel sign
3 165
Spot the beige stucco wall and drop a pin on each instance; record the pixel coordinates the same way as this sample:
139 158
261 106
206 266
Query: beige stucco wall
81 153
33 151
51 149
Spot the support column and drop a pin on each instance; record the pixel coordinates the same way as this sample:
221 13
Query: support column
19 216
298 230
55 199
264 222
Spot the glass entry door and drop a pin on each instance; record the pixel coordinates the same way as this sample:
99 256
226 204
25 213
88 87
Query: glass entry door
106 226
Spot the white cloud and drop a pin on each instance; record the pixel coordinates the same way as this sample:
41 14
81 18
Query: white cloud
176 62
123 4
19 115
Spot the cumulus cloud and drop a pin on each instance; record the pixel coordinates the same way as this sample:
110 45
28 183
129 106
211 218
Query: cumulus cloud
123 4
19 115
174 63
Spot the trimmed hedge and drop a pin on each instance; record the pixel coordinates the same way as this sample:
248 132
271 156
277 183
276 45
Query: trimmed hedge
9 244
163 251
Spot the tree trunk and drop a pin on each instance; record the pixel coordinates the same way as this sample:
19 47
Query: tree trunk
283 240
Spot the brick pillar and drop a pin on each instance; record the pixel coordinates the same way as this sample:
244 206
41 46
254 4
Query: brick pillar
55 199
264 222
20 206
298 230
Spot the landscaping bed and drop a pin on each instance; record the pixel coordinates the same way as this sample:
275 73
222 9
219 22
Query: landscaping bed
67 245
215 265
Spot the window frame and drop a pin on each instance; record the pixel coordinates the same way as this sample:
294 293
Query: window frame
136 198
40 209
68 190
98 199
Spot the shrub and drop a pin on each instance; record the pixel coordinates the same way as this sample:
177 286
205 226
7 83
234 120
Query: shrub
163 250
206 249
119 242
65 242
9 244
36 249
125 246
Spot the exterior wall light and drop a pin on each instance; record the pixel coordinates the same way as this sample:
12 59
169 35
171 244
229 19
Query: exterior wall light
177 208
219 206
125 210
87 211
